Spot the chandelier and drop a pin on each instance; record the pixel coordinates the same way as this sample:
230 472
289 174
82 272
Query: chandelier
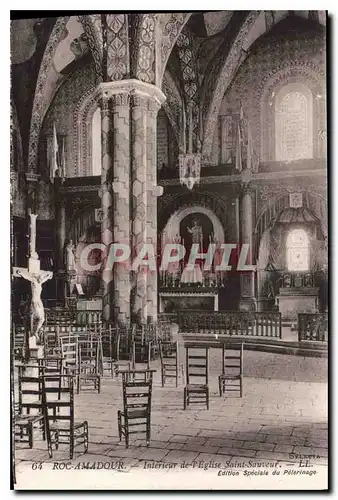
190 169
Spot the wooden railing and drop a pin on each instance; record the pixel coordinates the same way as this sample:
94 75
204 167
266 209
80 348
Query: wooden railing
59 316
172 281
167 317
255 324
313 326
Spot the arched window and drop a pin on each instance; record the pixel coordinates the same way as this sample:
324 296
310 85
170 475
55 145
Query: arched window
294 123
297 250
96 143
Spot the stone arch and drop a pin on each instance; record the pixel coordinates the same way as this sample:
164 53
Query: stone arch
38 108
267 216
16 156
173 104
93 31
290 73
222 77
18 196
170 27
173 224
83 132
145 47
181 201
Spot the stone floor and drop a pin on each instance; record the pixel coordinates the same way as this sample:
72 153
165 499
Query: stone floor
280 421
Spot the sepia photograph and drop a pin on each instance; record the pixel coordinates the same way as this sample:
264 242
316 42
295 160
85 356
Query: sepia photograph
169 250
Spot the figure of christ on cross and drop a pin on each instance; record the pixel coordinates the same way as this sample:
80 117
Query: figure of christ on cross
36 278
37 313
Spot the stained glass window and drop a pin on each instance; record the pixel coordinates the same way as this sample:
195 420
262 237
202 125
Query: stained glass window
297 250
294 134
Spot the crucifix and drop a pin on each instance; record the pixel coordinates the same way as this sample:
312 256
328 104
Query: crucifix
37 278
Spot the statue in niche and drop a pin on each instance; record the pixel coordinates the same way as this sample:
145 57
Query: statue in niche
70 257
196 232
177 239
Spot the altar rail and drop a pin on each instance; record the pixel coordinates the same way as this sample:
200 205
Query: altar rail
254 324
168 317
313 327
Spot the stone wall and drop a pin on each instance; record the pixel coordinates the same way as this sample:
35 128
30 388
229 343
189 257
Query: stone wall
63 112
162 140
270 65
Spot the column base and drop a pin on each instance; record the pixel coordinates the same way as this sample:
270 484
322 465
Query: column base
248 304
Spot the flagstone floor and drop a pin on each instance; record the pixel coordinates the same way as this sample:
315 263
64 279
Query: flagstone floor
282 417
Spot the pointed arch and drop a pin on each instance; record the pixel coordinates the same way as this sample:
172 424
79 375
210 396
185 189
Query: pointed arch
216 84
38 109
170 28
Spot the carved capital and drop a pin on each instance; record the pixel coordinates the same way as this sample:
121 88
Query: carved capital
104 102
139 100
246 188
120 100
153 107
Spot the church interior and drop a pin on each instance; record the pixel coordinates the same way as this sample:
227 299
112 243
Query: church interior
194 131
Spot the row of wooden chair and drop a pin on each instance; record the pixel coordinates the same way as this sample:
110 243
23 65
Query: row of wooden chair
197 373
136 385
46 402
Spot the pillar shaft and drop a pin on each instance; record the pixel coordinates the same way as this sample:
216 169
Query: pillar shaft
121 203
60 228
129 193
60 241
152 192
139 106
106 203
247 283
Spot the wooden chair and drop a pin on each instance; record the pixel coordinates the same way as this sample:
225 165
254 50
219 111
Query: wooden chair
88 373
136 365
19 339
124 351
170 366
70 354
197 376
109 349
231 378
164 331
136 415
51 342
28 410
58 408
151 336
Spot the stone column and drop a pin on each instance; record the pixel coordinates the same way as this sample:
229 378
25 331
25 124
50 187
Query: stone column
60 224
60 240
121 202
145 103
129 194
153 191
106 202
139 105
247 283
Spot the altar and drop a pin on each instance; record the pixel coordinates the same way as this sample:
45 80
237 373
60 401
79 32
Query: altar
179 301
293 300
